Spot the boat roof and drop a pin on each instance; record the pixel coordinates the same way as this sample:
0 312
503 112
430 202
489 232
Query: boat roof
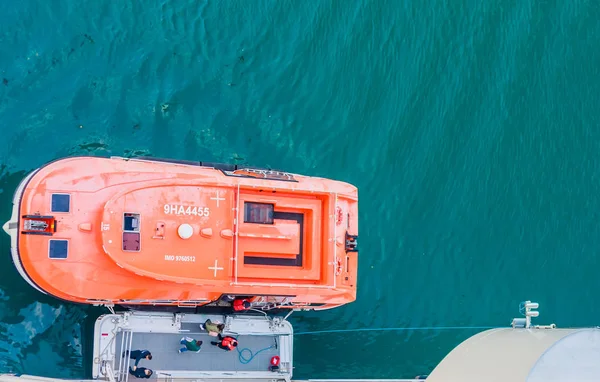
184 233
126 225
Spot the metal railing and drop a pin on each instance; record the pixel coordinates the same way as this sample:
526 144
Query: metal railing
108 371
124 359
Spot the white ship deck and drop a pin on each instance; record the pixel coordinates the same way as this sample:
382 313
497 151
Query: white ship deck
259 339
164 348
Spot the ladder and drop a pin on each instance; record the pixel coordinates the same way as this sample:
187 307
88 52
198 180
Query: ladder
124 360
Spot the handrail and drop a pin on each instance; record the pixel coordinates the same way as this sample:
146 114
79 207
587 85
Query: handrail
109 371
334 244
236 227
128 355
124 357
122 348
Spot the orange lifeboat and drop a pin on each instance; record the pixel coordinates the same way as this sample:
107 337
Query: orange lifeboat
149 231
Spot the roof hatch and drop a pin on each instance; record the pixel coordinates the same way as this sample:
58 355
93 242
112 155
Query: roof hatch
61 203
58 249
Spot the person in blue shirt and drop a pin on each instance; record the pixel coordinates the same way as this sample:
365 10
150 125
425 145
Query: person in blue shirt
140 372
139 355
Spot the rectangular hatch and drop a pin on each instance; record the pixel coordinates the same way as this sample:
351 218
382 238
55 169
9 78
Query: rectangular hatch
279 238
58 249
131 232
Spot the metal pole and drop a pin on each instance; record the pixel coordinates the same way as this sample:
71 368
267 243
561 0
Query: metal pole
120 369
130 338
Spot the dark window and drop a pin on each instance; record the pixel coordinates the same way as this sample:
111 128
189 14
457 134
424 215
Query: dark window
261 213
58 249
61 203
131 222
131 241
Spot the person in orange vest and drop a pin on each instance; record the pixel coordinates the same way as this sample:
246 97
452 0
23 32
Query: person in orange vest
240 304
227 343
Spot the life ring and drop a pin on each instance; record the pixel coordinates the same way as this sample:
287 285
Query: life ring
338 267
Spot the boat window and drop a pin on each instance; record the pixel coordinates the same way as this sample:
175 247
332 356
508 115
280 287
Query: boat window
260 213
58 249
60 203
131 241
131 222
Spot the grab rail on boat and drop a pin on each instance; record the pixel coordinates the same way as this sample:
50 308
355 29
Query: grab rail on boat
180 303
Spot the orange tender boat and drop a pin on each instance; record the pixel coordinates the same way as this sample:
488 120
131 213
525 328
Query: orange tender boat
150 231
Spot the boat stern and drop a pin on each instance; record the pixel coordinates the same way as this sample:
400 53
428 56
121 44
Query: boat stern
6 227
11 227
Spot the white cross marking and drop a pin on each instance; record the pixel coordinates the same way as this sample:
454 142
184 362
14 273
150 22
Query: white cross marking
217 199
215 268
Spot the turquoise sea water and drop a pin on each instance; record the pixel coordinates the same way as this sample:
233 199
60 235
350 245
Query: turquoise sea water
472 130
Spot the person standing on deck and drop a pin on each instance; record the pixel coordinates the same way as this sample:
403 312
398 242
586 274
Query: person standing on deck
190 344
140 372
138 355
212 328
227 343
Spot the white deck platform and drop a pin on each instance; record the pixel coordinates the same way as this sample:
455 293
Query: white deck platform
260 338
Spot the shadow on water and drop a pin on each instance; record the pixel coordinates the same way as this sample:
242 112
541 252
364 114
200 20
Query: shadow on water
39 334
11 282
